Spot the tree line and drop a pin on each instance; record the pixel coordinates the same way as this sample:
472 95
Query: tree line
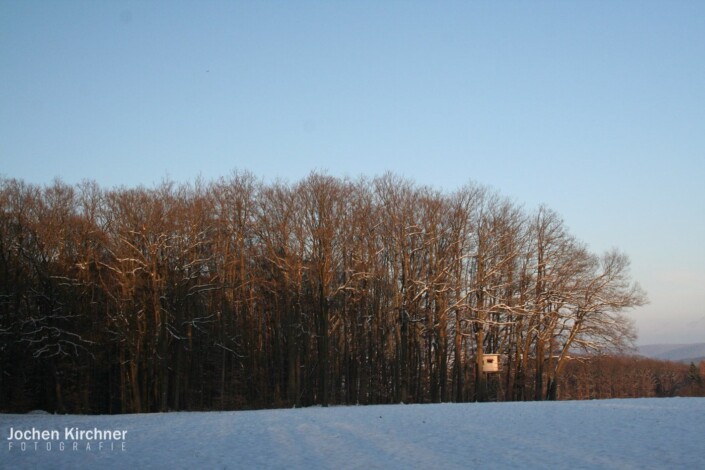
237 293
601 377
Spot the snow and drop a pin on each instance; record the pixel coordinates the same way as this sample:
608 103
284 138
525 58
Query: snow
633 433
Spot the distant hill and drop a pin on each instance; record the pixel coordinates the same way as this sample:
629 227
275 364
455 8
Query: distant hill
688 353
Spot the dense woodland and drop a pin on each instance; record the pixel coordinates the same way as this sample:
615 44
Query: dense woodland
240 294
630 377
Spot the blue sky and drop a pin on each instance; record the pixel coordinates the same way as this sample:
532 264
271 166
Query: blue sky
596 109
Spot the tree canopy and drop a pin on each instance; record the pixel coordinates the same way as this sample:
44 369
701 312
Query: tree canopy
236 294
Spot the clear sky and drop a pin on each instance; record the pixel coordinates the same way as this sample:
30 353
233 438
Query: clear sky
596 109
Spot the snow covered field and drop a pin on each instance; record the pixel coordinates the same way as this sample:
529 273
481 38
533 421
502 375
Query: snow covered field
635 433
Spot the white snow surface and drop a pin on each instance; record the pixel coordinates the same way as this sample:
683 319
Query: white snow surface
664 433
